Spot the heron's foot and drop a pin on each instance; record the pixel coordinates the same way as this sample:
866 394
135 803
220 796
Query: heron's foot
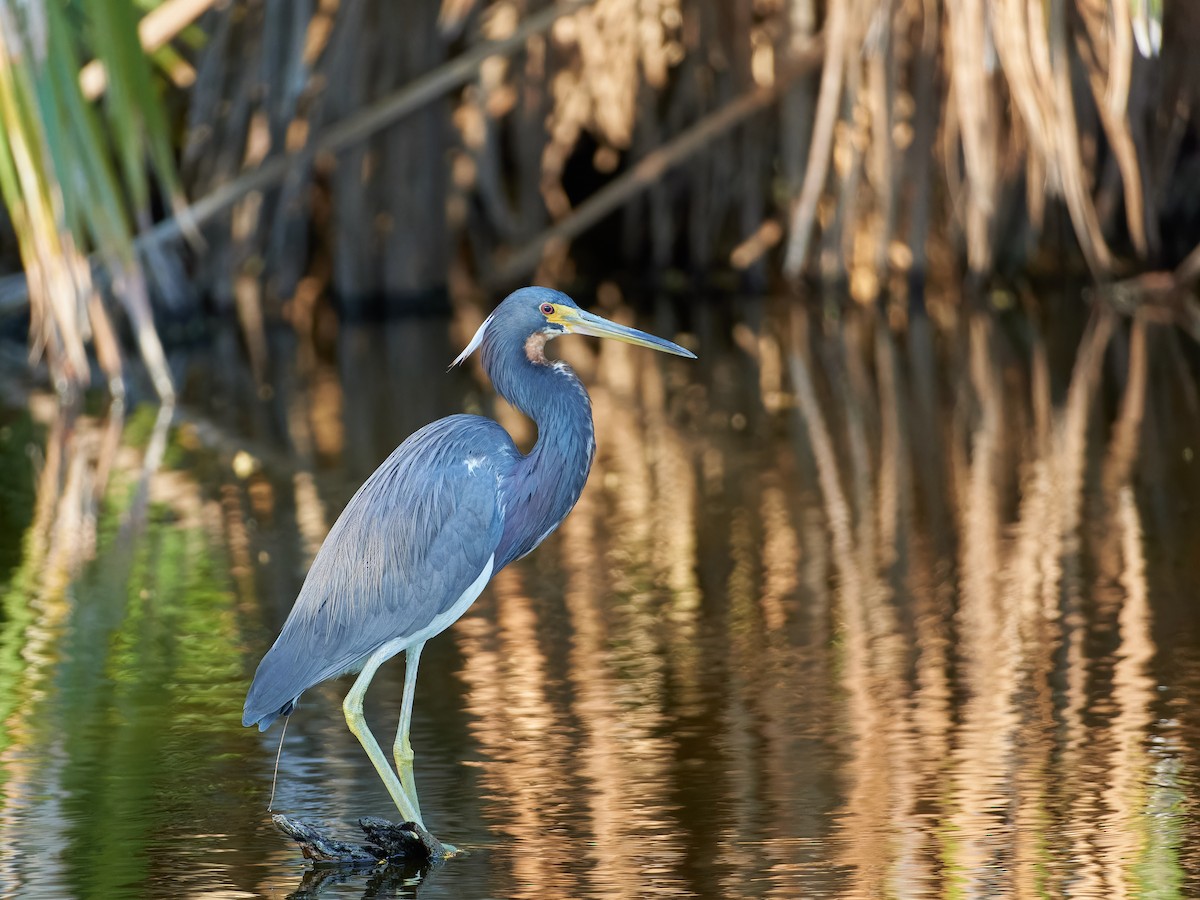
402 841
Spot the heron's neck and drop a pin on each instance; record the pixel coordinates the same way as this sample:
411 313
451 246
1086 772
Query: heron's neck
544 485
559 405
550 394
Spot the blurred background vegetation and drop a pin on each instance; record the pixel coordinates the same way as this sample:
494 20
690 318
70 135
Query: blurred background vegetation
885 581
324 160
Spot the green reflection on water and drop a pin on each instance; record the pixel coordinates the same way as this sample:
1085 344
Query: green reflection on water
1159 870
17 489
17 578
126 680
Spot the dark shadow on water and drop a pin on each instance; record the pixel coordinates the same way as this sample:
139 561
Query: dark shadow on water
394 880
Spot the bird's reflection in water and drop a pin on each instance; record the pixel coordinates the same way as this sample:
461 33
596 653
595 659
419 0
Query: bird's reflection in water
393 880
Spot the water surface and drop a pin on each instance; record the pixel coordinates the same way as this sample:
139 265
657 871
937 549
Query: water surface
843 612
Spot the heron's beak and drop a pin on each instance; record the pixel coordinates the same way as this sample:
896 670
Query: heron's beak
577 321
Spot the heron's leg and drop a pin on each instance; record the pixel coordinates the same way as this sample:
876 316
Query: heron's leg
352 706
403 749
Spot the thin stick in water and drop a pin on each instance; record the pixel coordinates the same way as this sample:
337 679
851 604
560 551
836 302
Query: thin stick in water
278 755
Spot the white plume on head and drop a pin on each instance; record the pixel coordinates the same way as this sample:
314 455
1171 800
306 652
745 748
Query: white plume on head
475 342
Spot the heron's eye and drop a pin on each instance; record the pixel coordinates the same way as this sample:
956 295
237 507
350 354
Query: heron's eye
547 309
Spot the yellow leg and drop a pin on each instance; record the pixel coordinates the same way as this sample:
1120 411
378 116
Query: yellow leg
402 749
352 706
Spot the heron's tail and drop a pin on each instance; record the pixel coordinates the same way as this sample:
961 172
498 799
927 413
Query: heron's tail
269 697
266 720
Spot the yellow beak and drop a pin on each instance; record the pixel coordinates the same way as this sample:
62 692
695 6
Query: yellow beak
578 321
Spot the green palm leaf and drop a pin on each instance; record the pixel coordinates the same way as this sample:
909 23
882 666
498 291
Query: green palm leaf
77 177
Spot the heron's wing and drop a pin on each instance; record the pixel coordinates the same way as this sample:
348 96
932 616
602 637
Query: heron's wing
417 534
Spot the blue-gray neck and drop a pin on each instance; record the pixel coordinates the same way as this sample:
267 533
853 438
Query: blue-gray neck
544 484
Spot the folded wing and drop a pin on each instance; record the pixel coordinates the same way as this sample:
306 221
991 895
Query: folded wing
416 535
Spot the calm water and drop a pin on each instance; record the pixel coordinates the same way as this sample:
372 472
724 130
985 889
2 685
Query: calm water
840 614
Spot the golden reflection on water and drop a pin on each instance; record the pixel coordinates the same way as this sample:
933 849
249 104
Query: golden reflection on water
841 612
967 797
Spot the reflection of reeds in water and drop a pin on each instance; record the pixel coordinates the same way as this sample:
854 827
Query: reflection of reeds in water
1122 595
78 456
55 546
63 632
506 676
872 667
987 652
907 653
996 764
1051 566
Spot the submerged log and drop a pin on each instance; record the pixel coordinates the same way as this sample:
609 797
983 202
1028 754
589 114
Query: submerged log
386 842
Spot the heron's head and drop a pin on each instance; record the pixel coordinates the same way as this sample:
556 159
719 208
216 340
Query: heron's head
531 316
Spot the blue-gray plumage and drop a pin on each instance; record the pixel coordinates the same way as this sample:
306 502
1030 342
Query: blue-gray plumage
452 505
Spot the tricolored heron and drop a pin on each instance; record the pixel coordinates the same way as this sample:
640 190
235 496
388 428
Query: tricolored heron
454 504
